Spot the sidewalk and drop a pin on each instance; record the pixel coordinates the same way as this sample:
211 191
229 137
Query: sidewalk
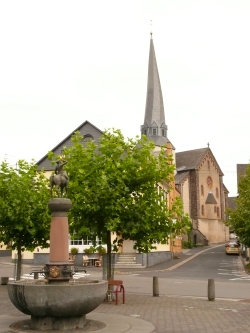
144 313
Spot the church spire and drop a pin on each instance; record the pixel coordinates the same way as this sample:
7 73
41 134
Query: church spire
154 122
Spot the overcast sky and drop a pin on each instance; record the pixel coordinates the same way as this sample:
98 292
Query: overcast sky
64 62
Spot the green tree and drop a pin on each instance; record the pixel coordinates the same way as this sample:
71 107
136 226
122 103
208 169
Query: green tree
113 189
239 218
24 214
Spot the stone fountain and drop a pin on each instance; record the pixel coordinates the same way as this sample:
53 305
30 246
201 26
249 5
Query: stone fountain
58 302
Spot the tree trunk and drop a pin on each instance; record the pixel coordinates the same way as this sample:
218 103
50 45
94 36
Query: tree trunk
109 272
19 262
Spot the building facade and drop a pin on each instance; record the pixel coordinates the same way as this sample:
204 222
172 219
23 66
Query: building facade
200 181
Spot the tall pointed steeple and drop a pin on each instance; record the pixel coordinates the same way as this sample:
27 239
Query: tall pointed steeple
154 126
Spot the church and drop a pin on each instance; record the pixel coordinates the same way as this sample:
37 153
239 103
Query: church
204 195
198 178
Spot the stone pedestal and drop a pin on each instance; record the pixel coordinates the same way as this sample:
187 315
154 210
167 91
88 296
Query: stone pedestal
58 267
53 323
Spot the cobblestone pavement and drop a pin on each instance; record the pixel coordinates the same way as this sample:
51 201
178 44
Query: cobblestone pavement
170 314
174 315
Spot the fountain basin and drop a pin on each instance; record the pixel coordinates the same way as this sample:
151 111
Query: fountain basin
61 305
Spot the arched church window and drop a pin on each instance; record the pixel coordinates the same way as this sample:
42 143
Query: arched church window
162 132
217 192
202 190
202 210
218 211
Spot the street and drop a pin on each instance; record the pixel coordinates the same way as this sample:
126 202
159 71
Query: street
190 277
186 278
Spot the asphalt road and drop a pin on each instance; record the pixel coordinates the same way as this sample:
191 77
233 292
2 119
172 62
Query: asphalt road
190 276
187 277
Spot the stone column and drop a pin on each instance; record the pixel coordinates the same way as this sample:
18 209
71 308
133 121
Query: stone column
59 246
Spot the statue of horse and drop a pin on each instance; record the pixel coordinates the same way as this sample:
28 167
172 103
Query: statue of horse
61 183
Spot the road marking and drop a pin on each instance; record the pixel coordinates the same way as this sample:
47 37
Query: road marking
186 260
80 275
229 269
41 277
241 278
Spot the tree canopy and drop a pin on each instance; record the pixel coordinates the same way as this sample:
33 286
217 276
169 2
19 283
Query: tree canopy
113 188
239 218
24 214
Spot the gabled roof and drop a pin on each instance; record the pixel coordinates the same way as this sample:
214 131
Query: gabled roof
192 159
85 129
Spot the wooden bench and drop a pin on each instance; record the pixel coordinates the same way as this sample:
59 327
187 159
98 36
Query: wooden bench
119 288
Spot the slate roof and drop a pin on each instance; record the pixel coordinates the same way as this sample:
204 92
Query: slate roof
154 111
210 199
85 129
191 159
181 176
154 103
159 141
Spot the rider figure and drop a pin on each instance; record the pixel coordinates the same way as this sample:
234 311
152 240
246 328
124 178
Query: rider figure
59 167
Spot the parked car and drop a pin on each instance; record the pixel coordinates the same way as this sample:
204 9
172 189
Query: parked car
233 248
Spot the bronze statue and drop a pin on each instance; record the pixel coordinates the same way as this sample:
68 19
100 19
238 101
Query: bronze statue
60 179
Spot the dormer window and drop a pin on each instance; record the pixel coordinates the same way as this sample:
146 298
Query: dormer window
154 131
87 137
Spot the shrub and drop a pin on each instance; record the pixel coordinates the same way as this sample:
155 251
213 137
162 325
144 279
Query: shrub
74 251
101 250
187 245
90 249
